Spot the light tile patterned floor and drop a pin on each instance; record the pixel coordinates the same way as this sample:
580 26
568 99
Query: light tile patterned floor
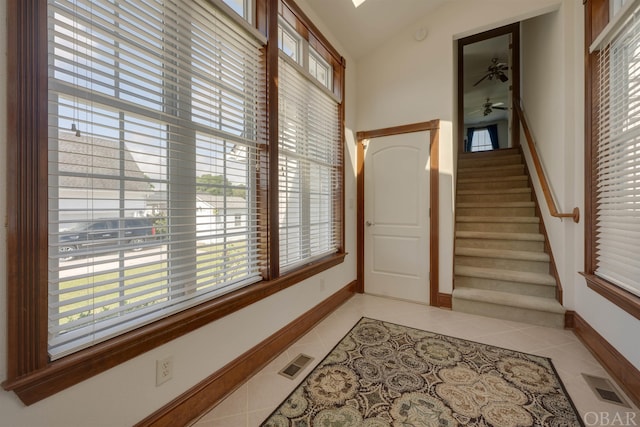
261 394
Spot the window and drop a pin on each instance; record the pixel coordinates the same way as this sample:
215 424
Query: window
481 140
320 69
618 172
310 160
289 41
141 176
242 8
159 121
613 221
616 6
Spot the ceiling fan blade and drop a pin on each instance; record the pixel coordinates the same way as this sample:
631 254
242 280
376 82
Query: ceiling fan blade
479 81
499 108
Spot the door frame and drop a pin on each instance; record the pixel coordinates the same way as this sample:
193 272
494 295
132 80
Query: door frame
514 30
435 297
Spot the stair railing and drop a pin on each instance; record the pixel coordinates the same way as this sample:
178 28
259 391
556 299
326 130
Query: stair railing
553 210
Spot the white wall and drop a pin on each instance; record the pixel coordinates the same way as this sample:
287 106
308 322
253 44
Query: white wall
553 98
405 81
127 393
545 95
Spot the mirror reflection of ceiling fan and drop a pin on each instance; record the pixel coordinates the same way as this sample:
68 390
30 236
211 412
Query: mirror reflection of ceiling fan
495 71
488 107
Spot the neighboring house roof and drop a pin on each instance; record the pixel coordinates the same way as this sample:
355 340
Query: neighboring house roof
218 202
158 199
92 161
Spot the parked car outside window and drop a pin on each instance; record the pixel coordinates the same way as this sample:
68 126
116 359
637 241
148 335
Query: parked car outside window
107 234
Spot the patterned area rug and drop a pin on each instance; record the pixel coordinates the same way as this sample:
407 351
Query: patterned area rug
382 374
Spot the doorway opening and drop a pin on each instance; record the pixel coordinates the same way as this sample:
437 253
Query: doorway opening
488 84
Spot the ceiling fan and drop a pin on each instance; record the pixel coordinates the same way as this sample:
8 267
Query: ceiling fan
489 106
495 71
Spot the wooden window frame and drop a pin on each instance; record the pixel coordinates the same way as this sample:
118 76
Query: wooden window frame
30 373
596 18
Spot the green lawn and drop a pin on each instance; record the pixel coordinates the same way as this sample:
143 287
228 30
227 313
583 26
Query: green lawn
146 284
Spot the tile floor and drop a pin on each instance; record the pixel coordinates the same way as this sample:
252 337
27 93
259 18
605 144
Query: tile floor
260 395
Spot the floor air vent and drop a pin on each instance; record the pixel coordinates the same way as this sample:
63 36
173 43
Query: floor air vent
604 390
296 366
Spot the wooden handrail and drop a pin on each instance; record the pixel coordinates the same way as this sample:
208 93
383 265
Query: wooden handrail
553 210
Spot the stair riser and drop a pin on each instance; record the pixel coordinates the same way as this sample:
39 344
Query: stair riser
514 245
491 154
481 278
504 264
505 286
509 313
489 173
505 197
497 227
495 212
492 185
478 163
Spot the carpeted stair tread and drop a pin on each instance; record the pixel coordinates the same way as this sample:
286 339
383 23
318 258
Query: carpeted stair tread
487 169
484 179
490 161
537 237
524 190
506 275
501 269
489 153
503 254
509 299
500 219
497 205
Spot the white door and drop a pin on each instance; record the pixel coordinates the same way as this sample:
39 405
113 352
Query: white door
396 177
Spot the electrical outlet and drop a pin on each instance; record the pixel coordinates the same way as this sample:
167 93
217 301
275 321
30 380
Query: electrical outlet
164 370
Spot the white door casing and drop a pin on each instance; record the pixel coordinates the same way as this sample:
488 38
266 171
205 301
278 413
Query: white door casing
396 232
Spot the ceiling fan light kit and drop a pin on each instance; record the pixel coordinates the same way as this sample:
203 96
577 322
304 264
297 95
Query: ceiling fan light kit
490 106
495 71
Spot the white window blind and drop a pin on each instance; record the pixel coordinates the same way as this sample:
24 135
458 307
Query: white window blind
310 159
618 158
156 111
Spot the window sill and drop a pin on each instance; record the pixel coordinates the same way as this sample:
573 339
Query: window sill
623 299
80 366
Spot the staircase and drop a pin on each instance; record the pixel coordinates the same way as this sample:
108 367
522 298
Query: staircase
501 269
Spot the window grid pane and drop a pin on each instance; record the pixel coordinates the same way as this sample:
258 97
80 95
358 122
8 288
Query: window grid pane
153 131
289 42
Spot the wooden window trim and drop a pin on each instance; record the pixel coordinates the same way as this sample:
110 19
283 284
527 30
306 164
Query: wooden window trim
57 376
596 18
30 373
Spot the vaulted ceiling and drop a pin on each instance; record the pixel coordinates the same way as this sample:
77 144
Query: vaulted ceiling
360 29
